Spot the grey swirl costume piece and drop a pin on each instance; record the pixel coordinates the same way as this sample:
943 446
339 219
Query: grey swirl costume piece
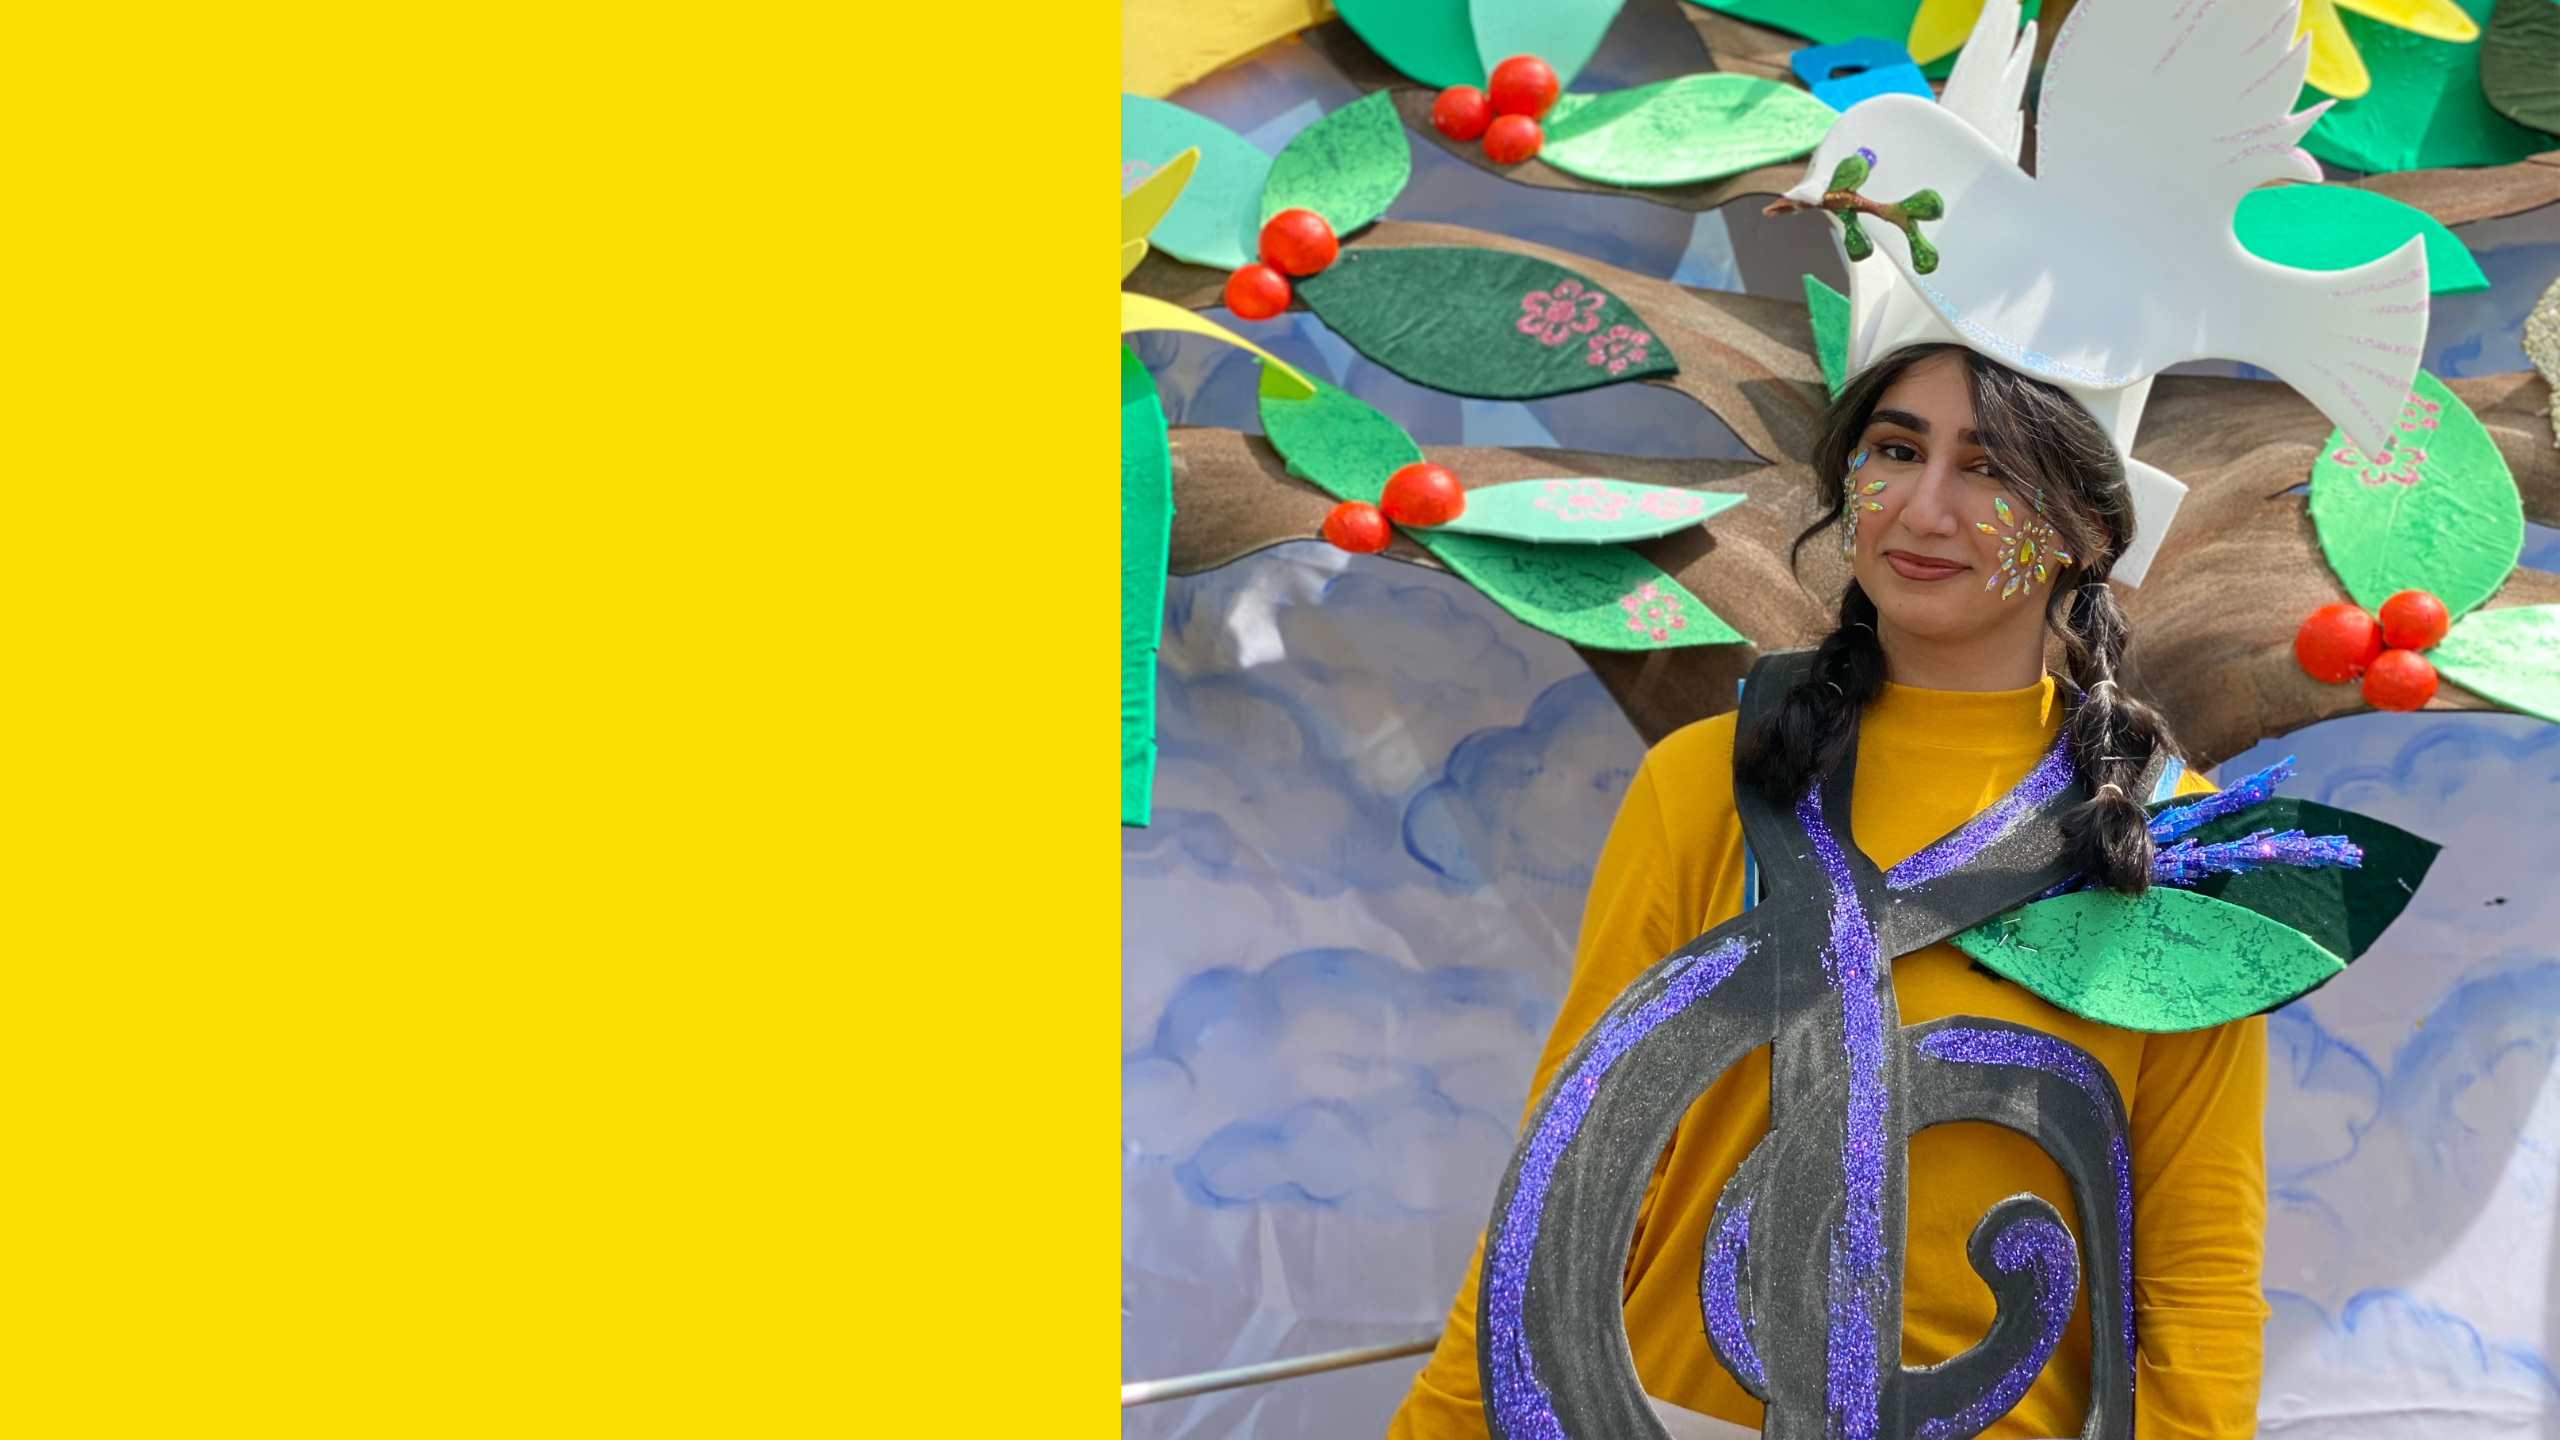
1801 1280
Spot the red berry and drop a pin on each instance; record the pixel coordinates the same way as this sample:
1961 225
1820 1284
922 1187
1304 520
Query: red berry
2414 620
2399 680
1422 494
1461 112
1359 527
1257 292
1299 242
2336 643
1512 139
1523 85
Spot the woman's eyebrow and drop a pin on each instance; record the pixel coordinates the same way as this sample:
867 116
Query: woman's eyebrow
1903 418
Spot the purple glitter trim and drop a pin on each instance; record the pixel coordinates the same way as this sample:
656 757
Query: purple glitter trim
2169 824
1520 1398
1859 1286
2046 1247
2047 780
2187 862
1723 1305
2058 1057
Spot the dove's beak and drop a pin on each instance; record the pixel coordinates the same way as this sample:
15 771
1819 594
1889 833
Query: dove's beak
1806 196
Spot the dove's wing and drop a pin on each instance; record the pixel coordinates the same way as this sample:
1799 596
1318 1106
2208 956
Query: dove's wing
1988 87
2153 105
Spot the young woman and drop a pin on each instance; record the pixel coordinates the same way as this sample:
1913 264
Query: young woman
1981 511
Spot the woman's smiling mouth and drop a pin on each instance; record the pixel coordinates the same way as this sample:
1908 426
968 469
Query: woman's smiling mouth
1922 567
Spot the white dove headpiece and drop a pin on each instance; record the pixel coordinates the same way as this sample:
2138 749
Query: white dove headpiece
2116 259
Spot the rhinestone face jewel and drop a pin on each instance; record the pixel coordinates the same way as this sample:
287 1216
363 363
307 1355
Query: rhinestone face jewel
2029 549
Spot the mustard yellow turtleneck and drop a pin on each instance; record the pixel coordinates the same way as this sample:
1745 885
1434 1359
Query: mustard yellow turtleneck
1928 760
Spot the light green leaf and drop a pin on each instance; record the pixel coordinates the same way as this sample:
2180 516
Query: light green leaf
1679 132
1431 40
2438 512
2172 960
1563 33
2511 656
1347 167
1583 511
1217 219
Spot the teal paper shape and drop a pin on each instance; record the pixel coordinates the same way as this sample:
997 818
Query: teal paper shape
1218 219
1347 167
1146 544
2437 512
1564 33
2425 109
1829 22
2511 656
2171 960
1583 511
1486 324
1830 311
2336 227
1433 41
1680 132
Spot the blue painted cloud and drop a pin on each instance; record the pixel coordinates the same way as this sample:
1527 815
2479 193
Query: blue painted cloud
1534 798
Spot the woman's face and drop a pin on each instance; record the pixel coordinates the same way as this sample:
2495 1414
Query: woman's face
1948 553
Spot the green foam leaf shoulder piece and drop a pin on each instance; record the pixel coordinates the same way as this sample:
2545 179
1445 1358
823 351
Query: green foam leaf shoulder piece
1146 542
2425 109
2334 227
1604 596
2511 656
2520 63
2171 960
1218 219
1563 33
1583 511
1433 41
1484 323
1679 132
2343 910
1347 167
2437 512
1830 331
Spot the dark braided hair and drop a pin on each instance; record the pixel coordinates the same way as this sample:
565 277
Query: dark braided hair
2038 436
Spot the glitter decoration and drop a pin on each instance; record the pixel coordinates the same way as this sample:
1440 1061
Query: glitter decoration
1851 503
2037 1244
1520 1398
2171 823
1719 1296
2186 862
2542 347
1859 1282
2034 362
2028 548
2030 1050
2052 774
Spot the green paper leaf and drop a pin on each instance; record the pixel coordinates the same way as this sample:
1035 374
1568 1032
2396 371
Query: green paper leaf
1678 132
1218 220
2172 960
2511 656
1830 331
1146 542
1483 323
1604 596
1580 511
1434 41
2438 513
1828 22
1347 167
2334 227
1564 33
2425 109
2520 63
2342 910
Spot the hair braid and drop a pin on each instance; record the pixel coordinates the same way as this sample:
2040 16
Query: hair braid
1809 734
2112 738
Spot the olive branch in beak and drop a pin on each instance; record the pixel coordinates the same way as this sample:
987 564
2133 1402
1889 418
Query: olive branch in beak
1841 198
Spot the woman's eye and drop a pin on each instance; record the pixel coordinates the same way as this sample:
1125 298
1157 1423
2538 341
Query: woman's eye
1897 452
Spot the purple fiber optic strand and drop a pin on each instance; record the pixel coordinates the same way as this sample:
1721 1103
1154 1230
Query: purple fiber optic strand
1520 1397
2033 1051
2169 824
2049 1250
1725 1320
2186 862
1853 1389
2047 780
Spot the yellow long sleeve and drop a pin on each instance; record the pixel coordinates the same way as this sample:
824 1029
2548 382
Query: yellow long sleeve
1672 868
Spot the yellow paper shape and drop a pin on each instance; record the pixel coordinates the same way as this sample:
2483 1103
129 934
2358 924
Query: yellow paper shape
1131 252
1941 28
2435 19
1145 312
2336 68
1141 208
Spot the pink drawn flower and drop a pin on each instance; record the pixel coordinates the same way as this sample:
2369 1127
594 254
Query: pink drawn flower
1133 171
1618 347
1670 504
1652 612
1571 500
1559 314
